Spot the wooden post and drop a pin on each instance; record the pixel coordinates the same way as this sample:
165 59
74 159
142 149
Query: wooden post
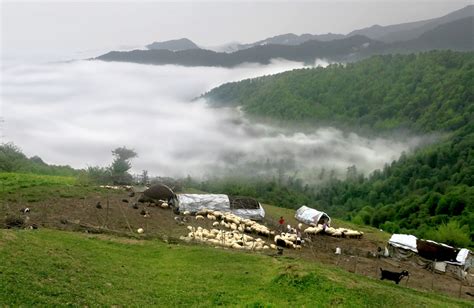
377 268
107 212
355 265
432 275
460 282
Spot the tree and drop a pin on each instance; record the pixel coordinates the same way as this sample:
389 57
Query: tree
121 165
145 178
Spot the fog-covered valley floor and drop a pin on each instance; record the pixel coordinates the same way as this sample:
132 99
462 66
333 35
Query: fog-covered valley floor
76 112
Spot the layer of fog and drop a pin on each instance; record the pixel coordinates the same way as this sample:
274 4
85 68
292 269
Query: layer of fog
76 113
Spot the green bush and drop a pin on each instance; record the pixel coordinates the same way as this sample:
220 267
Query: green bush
451 233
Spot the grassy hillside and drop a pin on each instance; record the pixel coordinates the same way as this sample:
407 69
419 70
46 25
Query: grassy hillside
20 187
51 268
12 159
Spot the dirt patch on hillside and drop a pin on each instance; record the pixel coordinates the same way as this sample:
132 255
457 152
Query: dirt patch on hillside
106 216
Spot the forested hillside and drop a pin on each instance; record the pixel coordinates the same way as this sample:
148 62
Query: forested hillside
12 159
424 93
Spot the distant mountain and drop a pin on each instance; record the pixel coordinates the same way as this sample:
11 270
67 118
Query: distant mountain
307 52
291 39
454 31
173 45
411 30
456 35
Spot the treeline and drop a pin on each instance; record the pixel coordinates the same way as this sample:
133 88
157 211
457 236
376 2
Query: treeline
425 193
415 194
12 159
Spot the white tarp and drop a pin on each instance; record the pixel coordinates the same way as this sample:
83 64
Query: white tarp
310 216
195 202
404 241
462 256
254 214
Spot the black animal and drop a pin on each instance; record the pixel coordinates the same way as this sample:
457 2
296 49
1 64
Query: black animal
394 276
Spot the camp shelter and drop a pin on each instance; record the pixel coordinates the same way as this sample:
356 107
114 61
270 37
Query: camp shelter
241 206
311 216
425 253
158 192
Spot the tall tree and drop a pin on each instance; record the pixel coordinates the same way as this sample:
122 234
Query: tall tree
121 165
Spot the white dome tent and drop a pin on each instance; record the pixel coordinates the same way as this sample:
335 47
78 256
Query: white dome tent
311 216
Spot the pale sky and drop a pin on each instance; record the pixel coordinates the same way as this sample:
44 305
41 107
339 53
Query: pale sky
84 29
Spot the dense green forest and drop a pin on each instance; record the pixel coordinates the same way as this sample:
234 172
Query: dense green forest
424 92
422 193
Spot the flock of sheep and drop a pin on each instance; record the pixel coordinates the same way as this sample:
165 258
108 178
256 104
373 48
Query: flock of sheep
231 231
336 232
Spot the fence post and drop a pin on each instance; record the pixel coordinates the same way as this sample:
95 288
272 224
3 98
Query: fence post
432 274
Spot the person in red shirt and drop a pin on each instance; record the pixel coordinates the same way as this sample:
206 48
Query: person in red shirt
282 223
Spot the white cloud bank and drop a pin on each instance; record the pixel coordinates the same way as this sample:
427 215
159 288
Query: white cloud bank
76 113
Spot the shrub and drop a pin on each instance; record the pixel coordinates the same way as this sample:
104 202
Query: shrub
452 234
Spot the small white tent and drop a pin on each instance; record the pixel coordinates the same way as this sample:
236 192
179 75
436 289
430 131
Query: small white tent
311 216
242 207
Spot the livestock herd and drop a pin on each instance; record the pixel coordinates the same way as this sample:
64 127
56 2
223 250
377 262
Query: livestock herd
231 231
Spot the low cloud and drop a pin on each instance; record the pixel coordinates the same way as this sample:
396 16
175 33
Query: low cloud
76 113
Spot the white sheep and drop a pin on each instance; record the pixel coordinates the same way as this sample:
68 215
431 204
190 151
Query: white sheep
186 213
140 230
199 217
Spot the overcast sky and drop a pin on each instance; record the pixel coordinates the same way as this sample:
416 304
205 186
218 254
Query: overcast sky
75 29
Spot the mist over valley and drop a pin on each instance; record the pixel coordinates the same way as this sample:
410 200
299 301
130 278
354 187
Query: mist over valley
77 112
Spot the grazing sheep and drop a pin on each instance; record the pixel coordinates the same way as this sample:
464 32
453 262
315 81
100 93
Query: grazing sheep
313 230
25 210
164 205
140 230
215 224
394 276
211 217
199 217
202 212
186 213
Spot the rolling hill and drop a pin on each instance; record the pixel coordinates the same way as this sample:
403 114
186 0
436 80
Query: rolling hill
412 30
173 45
